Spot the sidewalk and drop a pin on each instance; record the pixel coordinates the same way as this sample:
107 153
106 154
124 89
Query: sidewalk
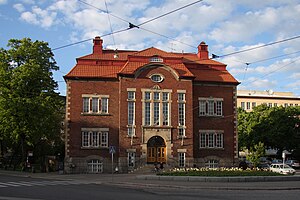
171 182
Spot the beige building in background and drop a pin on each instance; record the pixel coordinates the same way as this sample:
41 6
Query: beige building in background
248 99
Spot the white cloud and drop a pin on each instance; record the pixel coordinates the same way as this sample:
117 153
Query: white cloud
28 1
40 17
3 2
19 7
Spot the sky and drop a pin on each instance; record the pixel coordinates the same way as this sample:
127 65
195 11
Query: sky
226 26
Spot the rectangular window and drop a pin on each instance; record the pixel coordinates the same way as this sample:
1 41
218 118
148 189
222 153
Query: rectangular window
85 139
147 113
104 139
131 131
211 139
219 140
275 104
131 159
181 132
219 108
95 166
210 110
286 105
104 105
131 95
210 106
181 159
253 105
156 112
86 104
243 105
131 113
94 139
202 107
165 113
181 114
248 106
156 108
95 104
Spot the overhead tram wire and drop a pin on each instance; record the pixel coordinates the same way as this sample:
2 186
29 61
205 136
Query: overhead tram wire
180 8
131 25
265 75
253 48
68 45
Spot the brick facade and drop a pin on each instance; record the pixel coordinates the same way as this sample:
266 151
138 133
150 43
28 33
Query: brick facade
163 114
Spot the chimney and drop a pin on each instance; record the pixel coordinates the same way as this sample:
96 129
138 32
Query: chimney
97 48
202 51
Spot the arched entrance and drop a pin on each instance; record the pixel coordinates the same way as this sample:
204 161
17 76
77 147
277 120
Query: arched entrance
156 150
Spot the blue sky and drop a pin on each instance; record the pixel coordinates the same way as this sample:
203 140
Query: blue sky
226 26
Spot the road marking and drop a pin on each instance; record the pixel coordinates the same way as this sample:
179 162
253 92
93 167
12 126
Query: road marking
38 183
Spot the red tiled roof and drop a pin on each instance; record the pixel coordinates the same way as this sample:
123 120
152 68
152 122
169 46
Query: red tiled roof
192 58
109 55
152 51
94 71
131 67
212 75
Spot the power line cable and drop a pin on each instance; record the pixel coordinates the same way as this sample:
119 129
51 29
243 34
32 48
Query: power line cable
112 35
253 48
170 12
120 18
64 46
265 75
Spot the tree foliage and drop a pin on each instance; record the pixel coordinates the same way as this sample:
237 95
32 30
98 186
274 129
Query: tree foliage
276 127
30 109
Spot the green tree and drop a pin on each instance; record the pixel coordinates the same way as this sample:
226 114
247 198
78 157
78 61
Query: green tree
256 153
276 128
30 109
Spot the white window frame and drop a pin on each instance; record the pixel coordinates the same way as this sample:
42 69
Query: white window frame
94 138
131 159
211 107
181 159
95 104
131 113
156 107
95 166
212 164
211 139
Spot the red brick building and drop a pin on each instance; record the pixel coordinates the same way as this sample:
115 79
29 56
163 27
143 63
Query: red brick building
147 107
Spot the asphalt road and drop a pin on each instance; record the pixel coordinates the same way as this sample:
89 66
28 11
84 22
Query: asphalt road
25 188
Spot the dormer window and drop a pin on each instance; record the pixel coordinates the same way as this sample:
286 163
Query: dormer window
156 59
157 78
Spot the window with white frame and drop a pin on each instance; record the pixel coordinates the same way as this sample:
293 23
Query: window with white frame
131 113
248 105
156 108
94 138
212 164
243 105
210 106
181 159
95 166
211 139
131 159
95 104
181 114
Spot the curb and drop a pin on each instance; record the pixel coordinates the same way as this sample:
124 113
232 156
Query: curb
219 179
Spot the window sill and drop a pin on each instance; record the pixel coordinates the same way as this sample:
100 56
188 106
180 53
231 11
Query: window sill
95 114
212 116
211 148
93 148
157 127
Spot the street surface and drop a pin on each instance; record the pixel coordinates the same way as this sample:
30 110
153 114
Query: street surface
73 187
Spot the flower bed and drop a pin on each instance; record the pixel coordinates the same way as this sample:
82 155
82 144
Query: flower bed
218 172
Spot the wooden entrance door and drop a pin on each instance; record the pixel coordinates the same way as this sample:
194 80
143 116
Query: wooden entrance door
156 155
156 150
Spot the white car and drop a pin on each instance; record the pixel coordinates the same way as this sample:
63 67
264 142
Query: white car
282 169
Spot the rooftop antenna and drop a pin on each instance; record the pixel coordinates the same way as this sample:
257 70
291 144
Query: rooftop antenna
116 55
